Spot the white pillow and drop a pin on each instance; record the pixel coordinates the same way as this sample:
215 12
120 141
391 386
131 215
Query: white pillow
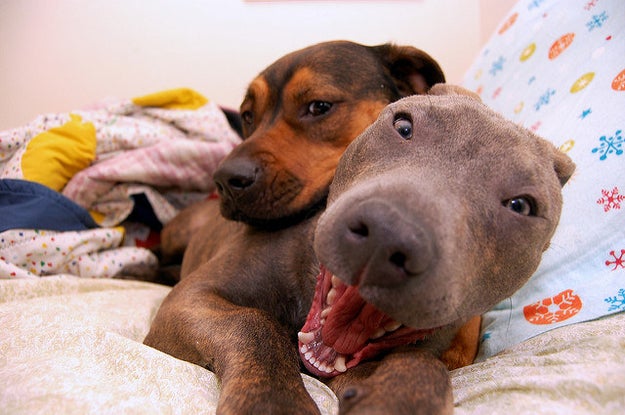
558 68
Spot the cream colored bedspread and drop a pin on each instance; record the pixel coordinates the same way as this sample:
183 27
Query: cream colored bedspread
73 346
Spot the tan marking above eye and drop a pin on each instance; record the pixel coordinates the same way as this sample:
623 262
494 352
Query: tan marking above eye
254 105
306 85
259 89
257 96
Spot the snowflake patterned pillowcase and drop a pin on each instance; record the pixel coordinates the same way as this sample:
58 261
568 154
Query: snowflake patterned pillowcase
558 68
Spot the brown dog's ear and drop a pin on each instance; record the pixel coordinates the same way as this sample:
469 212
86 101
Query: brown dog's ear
448 89
413 70
563 165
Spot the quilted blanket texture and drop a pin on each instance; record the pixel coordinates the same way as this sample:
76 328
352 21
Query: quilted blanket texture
74 346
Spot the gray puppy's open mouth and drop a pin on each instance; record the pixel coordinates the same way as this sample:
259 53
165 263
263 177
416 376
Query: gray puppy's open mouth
342 329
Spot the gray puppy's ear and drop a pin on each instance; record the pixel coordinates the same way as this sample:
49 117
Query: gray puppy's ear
448 89
563 165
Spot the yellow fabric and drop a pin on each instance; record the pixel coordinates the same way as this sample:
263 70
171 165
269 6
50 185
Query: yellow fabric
97 216
173 99
53 157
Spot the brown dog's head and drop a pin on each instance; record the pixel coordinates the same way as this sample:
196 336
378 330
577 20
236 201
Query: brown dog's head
298 117
438 211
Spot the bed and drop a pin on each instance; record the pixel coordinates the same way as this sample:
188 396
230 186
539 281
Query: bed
77 291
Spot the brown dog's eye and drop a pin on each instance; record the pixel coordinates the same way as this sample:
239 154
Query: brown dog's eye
247 117
404 127
522 205
317 108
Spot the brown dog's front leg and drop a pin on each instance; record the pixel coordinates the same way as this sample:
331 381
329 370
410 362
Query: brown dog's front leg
407 381
246 348
464 346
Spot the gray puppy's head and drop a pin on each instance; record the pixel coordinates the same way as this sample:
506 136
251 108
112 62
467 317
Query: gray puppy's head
438 211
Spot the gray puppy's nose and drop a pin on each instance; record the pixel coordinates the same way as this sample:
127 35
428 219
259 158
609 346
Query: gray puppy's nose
382 245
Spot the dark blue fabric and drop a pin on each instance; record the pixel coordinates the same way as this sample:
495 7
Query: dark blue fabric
29 205
143 212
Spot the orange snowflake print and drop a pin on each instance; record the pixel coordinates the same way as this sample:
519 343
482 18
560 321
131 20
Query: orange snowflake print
554 309
561 45
618 84
508 23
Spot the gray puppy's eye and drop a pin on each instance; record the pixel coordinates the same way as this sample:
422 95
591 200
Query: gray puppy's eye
523 205
403 126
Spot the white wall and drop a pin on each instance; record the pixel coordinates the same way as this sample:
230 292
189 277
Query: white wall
59 55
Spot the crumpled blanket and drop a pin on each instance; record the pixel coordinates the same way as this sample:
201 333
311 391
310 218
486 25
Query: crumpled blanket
156 152
577 369
74 346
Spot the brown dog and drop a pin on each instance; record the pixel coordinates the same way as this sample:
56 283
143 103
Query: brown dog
298 117
422 232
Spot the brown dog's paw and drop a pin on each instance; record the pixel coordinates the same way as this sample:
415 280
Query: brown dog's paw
352 396
407 381
364 400
252 399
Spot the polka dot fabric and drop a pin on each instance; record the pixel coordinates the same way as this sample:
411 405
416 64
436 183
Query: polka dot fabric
94 253
558 68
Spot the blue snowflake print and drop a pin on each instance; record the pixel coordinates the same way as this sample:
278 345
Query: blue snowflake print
617 302
497 66
544 99
610 145
534 4
597 21
585 113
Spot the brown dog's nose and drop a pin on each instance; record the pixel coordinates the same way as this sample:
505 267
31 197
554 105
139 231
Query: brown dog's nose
235 176
382 245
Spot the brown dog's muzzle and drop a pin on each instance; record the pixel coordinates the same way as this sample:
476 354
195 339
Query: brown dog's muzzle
256 190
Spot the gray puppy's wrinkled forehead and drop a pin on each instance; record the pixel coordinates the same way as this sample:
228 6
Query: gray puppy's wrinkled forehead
452 134
454 115
461 124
